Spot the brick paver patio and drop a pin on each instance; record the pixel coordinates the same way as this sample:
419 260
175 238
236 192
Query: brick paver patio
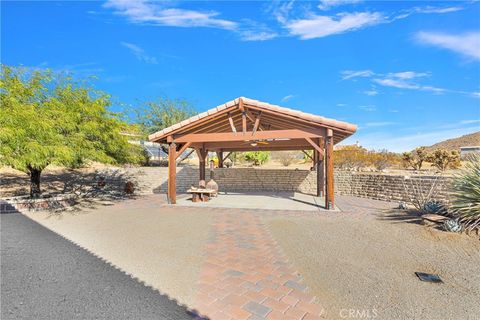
246 276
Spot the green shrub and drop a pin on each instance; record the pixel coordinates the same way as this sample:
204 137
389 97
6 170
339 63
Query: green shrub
257 158
466 194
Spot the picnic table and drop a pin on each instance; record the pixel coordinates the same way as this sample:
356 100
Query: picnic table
200 194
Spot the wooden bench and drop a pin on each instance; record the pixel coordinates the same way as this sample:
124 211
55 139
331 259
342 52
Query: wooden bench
199 194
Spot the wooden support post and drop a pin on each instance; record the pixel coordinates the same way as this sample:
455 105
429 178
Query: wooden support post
220 159
329 197
172 172
320 167
315 159
202 154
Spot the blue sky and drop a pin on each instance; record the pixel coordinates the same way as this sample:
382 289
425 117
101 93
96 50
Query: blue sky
408 73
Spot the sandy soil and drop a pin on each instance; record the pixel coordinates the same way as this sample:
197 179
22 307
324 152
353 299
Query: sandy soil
366 263
160 246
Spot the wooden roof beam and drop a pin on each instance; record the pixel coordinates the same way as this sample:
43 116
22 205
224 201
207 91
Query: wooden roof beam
229 136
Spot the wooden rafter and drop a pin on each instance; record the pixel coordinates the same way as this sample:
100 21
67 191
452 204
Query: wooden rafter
256 124
295 119
232 125
251 117
244 122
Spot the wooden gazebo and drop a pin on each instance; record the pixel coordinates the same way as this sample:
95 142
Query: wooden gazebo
249 125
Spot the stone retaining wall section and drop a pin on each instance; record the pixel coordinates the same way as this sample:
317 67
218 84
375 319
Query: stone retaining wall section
380 186
387 187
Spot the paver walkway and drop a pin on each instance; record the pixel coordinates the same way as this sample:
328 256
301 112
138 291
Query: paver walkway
246 276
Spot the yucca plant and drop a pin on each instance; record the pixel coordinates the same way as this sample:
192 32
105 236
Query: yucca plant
466 194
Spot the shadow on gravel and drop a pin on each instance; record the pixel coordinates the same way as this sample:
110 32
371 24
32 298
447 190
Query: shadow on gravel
401 216
45 276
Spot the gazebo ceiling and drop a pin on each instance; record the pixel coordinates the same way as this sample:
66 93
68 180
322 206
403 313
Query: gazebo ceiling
247 124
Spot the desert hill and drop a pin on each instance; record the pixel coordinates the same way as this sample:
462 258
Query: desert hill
472 139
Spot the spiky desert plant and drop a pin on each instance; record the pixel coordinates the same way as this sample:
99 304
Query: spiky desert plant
466 194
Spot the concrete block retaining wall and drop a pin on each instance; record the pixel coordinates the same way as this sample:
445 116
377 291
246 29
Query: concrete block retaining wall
378 186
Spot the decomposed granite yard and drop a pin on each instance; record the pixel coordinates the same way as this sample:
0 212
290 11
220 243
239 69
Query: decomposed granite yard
242 263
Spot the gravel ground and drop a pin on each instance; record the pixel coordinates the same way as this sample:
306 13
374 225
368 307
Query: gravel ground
45 276
161 246
365 262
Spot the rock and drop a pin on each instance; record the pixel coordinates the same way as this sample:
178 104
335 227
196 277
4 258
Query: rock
435 218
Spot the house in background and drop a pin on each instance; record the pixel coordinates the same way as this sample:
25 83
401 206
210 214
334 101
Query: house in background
465 151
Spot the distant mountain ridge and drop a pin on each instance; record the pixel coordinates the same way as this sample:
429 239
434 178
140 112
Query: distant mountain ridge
472 139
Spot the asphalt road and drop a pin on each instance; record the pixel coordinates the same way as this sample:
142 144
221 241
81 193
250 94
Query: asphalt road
44 276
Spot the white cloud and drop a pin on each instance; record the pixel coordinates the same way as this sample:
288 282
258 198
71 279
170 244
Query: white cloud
341 105
140 11
288 97
139 53
408 75
254 31
349 74
318 26
400 80
252 35
470 121
402 84
467 44
372 92
327 4
430 9
378 124
368 108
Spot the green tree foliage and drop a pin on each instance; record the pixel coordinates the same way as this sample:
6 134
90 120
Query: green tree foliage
444 159
416 158
164 112
257 158
48 119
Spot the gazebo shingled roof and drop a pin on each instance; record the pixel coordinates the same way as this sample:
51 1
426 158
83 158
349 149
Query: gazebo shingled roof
245 124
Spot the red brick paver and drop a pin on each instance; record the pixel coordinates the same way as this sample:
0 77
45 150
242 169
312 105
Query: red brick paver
246 276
